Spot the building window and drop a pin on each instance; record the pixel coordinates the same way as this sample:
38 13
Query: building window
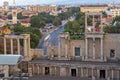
112 53
73 72
47 70
102 74
77 51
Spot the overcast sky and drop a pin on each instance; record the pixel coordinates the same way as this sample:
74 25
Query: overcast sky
35 2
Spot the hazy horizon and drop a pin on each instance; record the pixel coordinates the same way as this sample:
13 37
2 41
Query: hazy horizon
62 2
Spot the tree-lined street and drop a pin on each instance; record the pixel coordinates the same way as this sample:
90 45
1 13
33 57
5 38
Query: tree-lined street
53 38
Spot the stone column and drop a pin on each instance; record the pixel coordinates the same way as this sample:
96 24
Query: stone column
81 72
97 73
30 72
55 70
93 48
28 48
86 72
66 51
33 69
101 48
43 71
112 74
92 74
5 52
18 46
86 47
106 74
118 72
93 24
25 49
6 71
38 69
11 43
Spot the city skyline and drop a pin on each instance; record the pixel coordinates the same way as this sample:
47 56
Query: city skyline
37 2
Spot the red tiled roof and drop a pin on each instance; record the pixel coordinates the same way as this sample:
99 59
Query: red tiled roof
4 18
26 20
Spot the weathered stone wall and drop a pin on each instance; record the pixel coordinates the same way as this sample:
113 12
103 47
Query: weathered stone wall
111 41
37 53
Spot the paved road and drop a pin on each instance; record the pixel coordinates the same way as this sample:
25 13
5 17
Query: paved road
54 36
53 40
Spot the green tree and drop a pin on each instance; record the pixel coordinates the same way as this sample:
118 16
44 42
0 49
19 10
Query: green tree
57 21
112 29
9 16
104 14
20 16
37 22
76 28
35 34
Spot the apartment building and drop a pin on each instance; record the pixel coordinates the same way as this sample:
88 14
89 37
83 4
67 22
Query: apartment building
115 11
38 8
93 8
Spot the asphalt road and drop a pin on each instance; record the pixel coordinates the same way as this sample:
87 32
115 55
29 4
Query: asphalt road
53 40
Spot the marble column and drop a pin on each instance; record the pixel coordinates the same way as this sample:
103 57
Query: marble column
101 48
33 69
38 69
11 45
93 24
92 73
106 74
112 74
86 72
55 71
6 71
25 48
66 51
81 72
86 47
5 52
28 49
118 72
18 46
98 73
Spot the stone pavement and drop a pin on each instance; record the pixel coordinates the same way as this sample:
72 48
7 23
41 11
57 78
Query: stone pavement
46 77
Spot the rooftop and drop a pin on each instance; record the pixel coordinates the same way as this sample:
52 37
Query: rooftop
10 59
94 5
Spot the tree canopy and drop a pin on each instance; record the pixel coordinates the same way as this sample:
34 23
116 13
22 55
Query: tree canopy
76 27
112 29
44 18
35 34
